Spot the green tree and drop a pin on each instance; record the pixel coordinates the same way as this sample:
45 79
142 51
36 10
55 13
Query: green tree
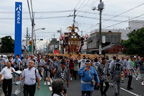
135 43
7 44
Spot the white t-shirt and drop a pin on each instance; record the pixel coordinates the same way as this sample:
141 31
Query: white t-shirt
7 72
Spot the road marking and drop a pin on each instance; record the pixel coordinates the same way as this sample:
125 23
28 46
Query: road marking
127 91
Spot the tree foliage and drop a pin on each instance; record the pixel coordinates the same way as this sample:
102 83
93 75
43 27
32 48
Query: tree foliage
7 44
135 43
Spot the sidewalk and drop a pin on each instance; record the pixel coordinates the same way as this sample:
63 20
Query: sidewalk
44 91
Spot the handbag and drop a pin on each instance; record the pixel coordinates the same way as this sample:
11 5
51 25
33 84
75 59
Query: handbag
93 81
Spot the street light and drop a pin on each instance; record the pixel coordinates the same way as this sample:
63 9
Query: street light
39 29
35 38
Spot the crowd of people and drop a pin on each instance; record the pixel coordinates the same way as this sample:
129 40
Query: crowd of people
94 73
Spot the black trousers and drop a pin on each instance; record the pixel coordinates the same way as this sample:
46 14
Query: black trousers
106 88
7 83
75 74
129 81
72 72
29 90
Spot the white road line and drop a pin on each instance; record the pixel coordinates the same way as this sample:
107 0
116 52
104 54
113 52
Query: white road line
127 91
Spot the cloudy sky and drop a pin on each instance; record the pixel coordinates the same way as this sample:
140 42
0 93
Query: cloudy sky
86 20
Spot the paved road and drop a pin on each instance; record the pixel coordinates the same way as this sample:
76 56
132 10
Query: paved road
74 89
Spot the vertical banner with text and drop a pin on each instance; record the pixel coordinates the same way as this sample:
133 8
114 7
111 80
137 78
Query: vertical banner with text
18 28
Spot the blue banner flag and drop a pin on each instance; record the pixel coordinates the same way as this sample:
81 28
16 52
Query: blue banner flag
18 28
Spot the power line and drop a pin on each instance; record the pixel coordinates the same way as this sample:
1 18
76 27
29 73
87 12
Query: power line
81 5
93 2
125 21
126 11
78 4
74 9
32 9
29 10
85 4
40 17
97 18
67 20
38 12
119 15
98 14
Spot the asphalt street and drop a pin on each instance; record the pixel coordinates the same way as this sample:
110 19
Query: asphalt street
75 89
138 90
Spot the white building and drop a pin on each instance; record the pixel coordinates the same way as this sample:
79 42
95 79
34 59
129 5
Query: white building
136 24
133 25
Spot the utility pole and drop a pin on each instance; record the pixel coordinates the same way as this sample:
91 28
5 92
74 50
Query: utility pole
81 33
54 41
32 36
27 37
100 8
74 16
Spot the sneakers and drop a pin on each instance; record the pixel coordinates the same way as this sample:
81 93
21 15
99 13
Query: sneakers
40 78
136 78
104 84
71 78
142 83
44 83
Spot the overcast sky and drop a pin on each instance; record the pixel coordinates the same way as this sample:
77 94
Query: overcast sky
112 8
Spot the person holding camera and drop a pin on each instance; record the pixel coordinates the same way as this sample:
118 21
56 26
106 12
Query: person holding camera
89 77
16 62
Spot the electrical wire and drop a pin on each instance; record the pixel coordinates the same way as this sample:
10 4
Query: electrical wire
126 11
118 16
29 10
39 17
98 18
81 5
67 20
47 12
32 10
124 21
85 4
78 3
98 14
